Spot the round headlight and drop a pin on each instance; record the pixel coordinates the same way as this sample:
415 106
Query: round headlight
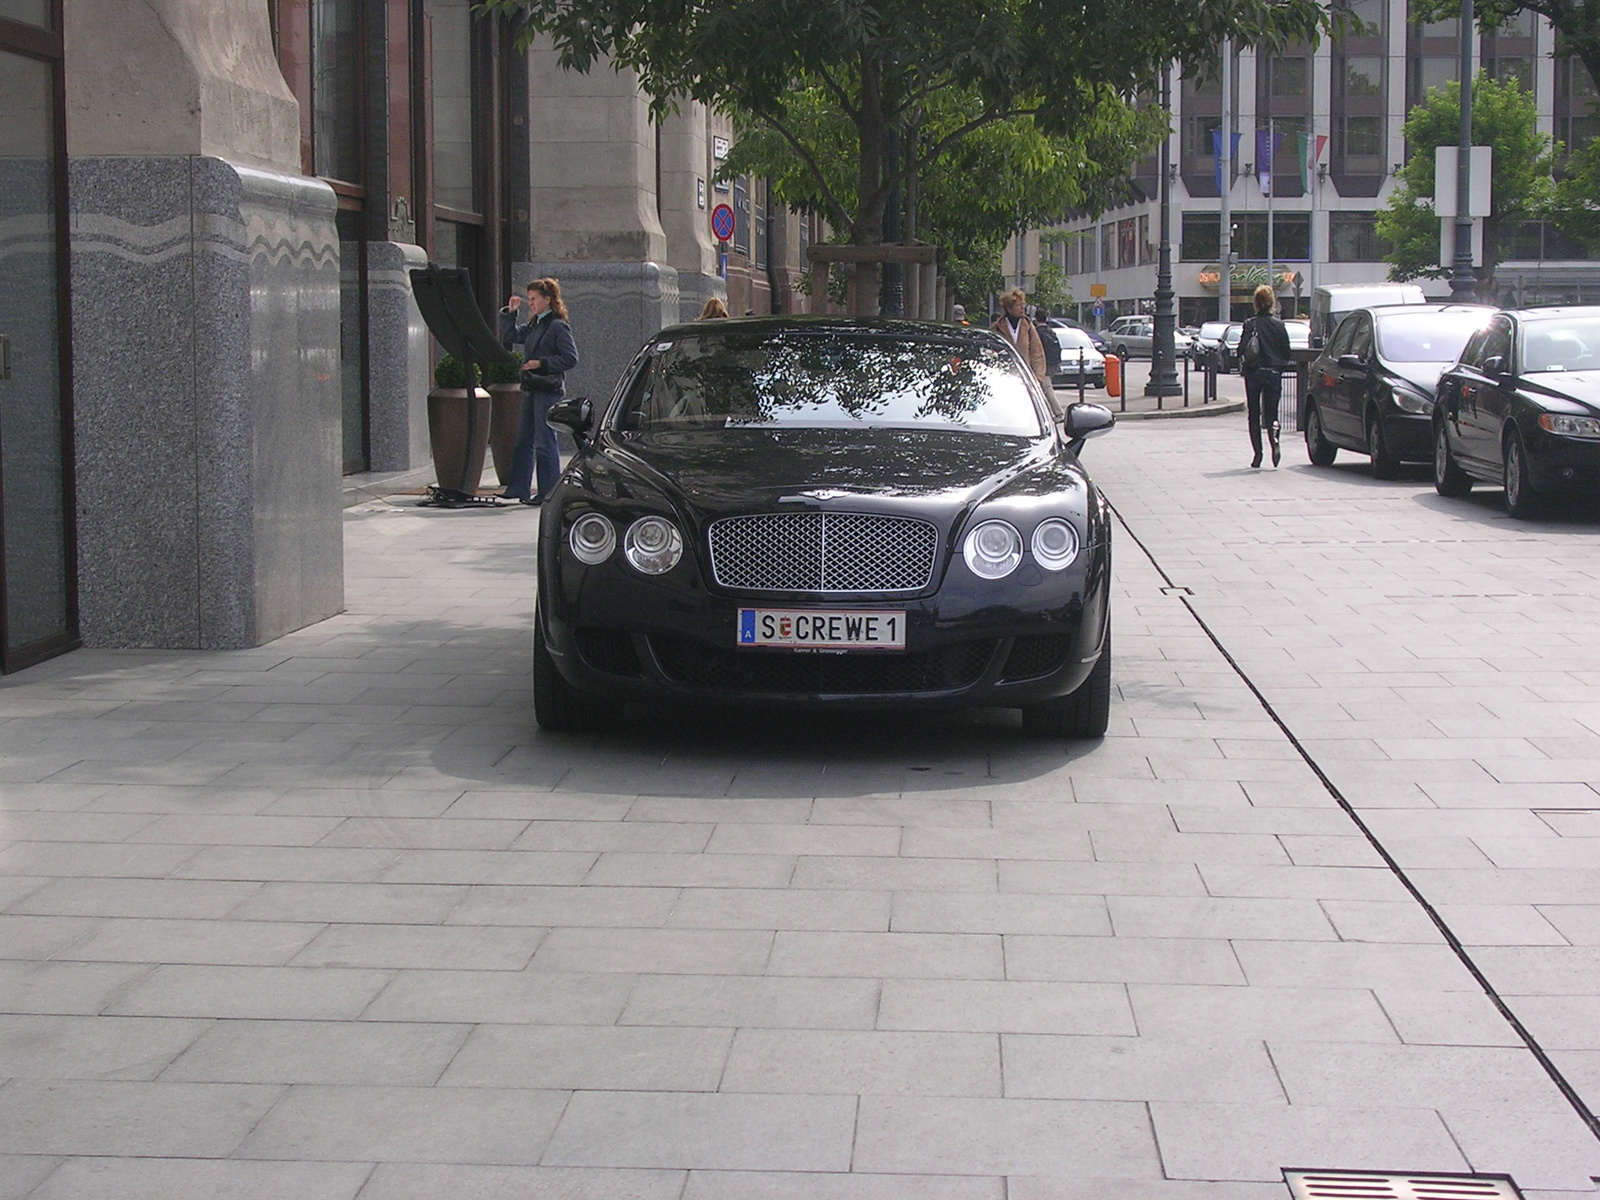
592 539
1055 544
993 550
653 545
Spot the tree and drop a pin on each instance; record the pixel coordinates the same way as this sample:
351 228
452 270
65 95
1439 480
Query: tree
1505 118
997 181
882 67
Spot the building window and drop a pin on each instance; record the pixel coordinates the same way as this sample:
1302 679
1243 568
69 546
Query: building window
741 216
761 223
1127 243
453 158
1353 238
1108 247
1433 56
336 89
1283 105
1575 121
1291 237
1200 102
1147 249
1507 51
1201 237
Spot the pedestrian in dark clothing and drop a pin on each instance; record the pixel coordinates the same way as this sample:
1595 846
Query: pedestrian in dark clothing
1263 372
1052 348
548 352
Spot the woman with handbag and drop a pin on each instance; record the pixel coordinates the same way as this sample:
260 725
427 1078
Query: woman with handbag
1264 357
544 340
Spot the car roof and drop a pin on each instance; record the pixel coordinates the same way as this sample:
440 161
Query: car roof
1546 314
891 326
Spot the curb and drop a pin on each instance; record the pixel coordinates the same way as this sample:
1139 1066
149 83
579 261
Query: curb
1218 409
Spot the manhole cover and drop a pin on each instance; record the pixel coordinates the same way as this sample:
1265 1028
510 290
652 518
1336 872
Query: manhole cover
1382 1185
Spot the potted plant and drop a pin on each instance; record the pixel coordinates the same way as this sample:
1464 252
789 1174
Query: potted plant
502 379
458 428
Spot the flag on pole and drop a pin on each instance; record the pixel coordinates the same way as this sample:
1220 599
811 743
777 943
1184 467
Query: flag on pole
1311 147
1216 154
1267 144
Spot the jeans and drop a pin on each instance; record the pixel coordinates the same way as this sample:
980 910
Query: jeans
536 448
1263 387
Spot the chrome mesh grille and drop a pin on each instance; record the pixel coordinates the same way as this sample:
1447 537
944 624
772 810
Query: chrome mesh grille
823 552
1378 1185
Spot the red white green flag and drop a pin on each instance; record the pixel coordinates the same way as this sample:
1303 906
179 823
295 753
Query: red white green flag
1311 147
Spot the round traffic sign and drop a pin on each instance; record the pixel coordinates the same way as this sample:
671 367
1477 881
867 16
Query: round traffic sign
722 222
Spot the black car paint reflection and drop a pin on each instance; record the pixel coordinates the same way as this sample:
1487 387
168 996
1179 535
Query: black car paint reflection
1522 409
714 448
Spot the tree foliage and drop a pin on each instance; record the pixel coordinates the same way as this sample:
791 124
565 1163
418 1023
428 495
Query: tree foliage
1504 117
806 69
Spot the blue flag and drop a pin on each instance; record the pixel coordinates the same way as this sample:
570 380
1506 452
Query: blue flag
1216 154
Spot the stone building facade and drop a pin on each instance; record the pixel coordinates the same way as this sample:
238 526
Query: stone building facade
1354 95
208 212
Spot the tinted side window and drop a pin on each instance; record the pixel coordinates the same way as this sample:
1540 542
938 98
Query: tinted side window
1341 337
1361 335
1496 344
1473 351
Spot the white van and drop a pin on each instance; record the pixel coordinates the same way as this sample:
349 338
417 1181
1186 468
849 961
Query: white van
1330 304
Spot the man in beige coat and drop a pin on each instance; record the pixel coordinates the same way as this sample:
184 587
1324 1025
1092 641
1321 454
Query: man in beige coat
1014 326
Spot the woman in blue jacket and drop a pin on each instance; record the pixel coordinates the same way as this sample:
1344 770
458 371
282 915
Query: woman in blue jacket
548 352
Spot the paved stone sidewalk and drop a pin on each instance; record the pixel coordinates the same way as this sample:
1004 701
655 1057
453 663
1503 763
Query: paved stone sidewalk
330 918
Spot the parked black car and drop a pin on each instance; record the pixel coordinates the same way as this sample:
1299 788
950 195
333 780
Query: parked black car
823 511
1372 388
1522 409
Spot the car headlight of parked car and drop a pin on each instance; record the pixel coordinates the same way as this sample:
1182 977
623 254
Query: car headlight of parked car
1411 402
993 550
592 539
1055 544
1584 427
653 545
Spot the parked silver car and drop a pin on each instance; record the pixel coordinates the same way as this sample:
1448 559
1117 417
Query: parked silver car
1132 337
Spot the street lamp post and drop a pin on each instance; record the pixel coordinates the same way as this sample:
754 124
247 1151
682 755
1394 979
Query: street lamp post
1463 283
1163 364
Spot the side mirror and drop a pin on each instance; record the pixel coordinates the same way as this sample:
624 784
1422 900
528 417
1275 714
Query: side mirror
1352 361
1086 421
1494 366
576 414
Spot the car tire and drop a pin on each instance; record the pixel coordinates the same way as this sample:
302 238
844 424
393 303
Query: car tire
1384 464
1122 353
1084 713
557 705
1448 478
1098 381
1522 501
1319 449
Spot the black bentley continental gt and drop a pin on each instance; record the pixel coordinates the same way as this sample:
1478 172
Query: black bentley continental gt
825 511
1522 409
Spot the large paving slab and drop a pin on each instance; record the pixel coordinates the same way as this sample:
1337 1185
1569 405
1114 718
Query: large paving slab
331 918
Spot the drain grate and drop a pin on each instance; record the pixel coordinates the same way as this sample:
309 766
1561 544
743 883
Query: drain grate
1382 1185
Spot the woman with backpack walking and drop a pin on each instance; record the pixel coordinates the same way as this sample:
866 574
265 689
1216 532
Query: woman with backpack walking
1264 357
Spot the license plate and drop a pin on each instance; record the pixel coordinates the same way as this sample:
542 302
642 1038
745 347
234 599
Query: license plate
819 629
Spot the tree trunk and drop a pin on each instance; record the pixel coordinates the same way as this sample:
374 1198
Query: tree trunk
868 228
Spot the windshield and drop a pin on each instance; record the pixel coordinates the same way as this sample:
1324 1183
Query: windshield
1212 330
801 379
1074 339
1431 337
1561 344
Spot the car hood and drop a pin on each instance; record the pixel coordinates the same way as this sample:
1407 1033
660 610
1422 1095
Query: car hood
1423 375
1582 388
935 473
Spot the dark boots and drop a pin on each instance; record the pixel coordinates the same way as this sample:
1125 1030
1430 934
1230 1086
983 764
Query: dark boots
1277 450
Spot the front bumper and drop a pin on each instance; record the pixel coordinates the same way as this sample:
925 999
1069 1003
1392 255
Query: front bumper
1558 463
1410 435
1031 638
